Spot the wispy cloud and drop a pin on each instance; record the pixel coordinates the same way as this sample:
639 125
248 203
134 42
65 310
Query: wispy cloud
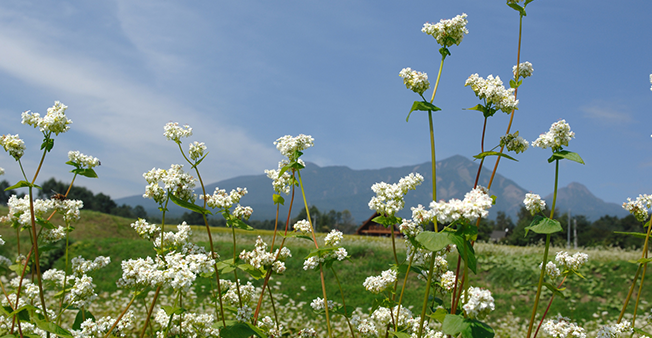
607 113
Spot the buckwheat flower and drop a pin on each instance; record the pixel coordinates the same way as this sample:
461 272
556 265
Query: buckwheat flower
448 32
173 132
524 70
2 171
534 203
281 183
367 328
613 331
493 92
19 209
556 138
243 212
82 292
383 316
410 228
333 238
69 209
514 143
173 180
475 205
639 207
220 199
303 227
140 273
340 254
389 198
55 120
448 281
144 229
82 160
479 302
2 241
53 235
307 333
244 313
573 262
311 263
415 81
561 327
196 150
378 284
81 266
13 145
318 304
551 270
288 145
650 80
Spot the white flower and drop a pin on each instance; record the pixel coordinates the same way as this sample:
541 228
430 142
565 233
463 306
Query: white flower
311 263
281 183
573 262
448 281
415 81
13 145
639 207
524 70
448 32
244 313
378 284
80 266
389 197
174 180
333 238
55 120
613 331
144 229
318 304
303 227
288 145
307 333
556 138
196 150
83 160
243 212
2 171
479 303
551 270
514 143
534 203
561 327
220 199
174 132
493 92
475 205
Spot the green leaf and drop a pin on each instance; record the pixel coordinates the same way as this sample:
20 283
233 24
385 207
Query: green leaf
399 334
387 221
20 184
439 314
635 234
238 223
189 206
52 328
444 51
18 268
47 144
478 107
479 330
235 329
82 315
642 332
435 241
641 261
172 310
45 223
85 172
454 324
565 154
543 225
225 266
520 9
278 199
422 106
253 272
554 289
493 153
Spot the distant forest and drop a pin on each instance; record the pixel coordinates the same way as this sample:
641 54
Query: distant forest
600 232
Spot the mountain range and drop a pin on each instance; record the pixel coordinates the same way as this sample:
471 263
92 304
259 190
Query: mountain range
339 188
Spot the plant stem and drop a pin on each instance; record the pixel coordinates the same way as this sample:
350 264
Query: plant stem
554 196
321 269
149 312
536 299
644 255
120 316
548 308
235 271
346 313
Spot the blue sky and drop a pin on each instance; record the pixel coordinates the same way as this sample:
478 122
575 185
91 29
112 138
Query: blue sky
243 73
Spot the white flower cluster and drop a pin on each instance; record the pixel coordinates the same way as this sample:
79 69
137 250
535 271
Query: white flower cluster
144 229
83 160
53 235
195 325
556 138
639 207
175 240
448 281
613 331
81 266
302 227
448 32
220 199
13 145
534 203
389 197
378 284
196 150
247 291
260 257
493 92
55 120
2 171
267 324
288 145
19 209
475 205
573 262
243 212
551 270
650 80
383 316
281 183
514 143
69 209
317 304
244 313
332 240
173 180
414 81
101 326
307 333
479 303
561 327
524 70
173 132
422 259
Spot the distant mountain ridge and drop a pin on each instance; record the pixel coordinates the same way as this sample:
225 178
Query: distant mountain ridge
340 188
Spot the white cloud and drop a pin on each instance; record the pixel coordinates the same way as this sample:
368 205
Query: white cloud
607 113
